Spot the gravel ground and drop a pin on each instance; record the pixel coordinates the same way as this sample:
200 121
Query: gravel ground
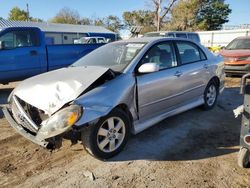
194 149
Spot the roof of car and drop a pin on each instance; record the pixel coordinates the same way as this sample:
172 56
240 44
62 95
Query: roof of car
243 37
153 39
172 32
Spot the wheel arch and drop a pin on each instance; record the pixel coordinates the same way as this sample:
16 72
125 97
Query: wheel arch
125 109
216 80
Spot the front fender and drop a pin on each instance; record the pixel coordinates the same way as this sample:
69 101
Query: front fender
92 113
101 100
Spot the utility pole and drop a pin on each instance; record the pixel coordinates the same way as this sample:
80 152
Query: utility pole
28 12
159 15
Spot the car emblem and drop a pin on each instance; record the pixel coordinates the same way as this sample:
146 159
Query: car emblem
21 117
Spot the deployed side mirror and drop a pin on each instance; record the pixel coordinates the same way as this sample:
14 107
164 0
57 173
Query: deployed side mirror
2 45
148 67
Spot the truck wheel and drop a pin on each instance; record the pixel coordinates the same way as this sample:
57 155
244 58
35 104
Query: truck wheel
243 157
210 95
108 136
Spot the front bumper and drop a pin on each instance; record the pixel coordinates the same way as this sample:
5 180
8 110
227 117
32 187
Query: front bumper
8 115
237 69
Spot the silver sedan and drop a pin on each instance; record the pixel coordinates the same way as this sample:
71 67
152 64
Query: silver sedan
121 88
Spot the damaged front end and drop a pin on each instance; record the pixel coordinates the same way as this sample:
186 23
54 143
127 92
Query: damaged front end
42 108
35 125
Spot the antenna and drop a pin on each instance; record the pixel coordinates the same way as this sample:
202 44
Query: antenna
28 12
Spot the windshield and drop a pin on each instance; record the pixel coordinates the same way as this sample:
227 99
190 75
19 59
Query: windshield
237 44
114 55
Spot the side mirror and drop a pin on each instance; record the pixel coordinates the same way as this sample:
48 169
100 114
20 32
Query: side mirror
1 45
148 67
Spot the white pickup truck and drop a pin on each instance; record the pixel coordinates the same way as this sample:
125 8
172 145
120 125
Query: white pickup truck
91 40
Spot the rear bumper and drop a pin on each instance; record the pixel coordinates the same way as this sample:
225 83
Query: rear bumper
237 69
21 130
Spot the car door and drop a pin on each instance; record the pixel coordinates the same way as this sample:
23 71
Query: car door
19 56
159 91
193 70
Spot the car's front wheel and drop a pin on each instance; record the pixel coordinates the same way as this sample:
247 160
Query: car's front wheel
210 95
108 136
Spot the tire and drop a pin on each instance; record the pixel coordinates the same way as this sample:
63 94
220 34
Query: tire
244 158
210 95
108 136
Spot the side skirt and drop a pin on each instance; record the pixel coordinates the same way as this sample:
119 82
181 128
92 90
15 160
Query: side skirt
139 126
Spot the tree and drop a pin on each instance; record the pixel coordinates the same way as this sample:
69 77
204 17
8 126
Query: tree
21 15
110 22
183 16
86 21
67 16
143 18
160 12
212 15
113 23
18 14
194 15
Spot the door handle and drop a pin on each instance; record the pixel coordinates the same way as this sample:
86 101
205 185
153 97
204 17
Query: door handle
33 52
178 73
205 66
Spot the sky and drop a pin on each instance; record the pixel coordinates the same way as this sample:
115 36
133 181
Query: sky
46 9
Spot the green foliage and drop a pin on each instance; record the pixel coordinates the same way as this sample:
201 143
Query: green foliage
113 23
184 16
21 15
69 16
18 14
212 15
143 18
195 15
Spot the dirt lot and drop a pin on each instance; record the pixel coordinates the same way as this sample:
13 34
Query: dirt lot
194 149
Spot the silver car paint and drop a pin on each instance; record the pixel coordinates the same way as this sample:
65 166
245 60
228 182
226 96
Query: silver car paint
123 90
50 91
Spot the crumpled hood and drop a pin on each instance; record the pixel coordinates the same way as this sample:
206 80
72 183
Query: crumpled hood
50 91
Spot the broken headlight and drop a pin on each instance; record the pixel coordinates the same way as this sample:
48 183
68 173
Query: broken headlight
60 122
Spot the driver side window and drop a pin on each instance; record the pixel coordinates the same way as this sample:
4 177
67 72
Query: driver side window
15 39
162 54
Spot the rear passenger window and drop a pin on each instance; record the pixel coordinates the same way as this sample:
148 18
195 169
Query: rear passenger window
190 52
181 35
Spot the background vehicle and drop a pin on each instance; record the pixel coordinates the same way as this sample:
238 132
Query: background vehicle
24 53
120 88
182 34
91 40
237 56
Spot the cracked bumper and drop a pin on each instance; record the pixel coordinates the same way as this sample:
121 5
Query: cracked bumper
21 130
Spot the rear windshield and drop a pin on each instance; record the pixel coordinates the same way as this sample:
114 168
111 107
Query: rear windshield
239 44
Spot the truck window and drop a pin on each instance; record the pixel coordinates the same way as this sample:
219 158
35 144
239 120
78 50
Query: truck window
101 40
194 37
181 35
170 34
92 41
16 39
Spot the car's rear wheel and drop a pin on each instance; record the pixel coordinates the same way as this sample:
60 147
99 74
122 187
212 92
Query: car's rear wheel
210 95
108 136
244 158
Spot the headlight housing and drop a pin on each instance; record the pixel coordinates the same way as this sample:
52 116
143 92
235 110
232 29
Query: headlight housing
60 122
